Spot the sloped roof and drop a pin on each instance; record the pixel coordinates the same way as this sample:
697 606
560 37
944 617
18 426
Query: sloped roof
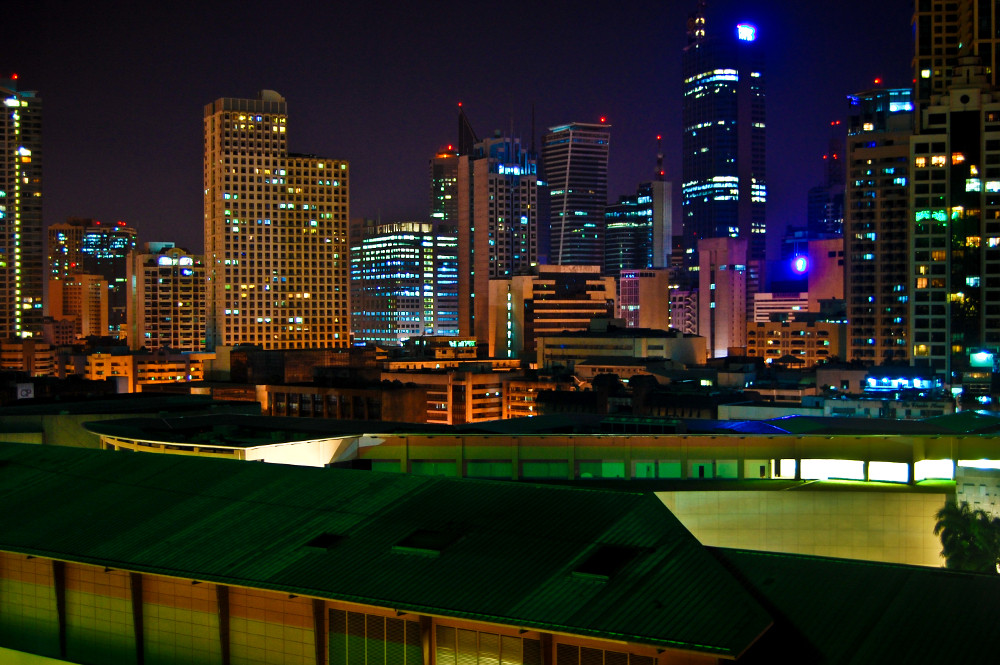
882 612
966 422
509 553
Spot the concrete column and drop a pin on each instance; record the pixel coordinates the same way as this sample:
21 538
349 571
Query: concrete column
135 587
319 630
222 600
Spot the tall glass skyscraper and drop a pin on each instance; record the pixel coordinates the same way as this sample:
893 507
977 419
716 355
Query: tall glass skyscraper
724 184
639 230
498 224
575 161
21 253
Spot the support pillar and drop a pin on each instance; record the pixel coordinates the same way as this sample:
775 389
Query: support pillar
222 599
135 587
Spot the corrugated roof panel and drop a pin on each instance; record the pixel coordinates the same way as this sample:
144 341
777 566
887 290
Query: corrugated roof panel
847 611
507 552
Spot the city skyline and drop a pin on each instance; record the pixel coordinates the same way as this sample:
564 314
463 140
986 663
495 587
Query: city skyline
380 88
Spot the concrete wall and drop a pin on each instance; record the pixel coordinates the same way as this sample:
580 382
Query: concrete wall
198 623
896 527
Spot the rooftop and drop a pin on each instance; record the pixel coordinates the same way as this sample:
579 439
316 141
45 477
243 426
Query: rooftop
489 551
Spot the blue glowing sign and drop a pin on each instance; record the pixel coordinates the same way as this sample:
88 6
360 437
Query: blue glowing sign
800 264
746 32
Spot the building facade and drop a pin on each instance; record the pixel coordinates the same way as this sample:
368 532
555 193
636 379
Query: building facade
638 229
276 247
877 225
955 243
82 301
722 294
21 240
724 190
83 245
497 224
404 280
575 157
644 298
553 299
166 300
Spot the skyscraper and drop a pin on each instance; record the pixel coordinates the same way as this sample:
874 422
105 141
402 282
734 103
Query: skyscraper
497 224
444 218
396 271
276 248
724 183
955 241
166 299
639 229
825 203
86 246
575 160
722 296
21 253
944 30
877 225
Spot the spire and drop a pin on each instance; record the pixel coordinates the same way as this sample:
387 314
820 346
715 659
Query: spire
467 138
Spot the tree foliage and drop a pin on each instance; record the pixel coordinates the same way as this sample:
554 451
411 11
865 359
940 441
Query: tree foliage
970 539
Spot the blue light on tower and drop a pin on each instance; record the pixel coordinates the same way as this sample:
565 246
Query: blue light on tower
746 32
800 264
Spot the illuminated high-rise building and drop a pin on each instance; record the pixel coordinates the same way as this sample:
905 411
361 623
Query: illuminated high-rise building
397 272
276 248
88 246
444 219
639 229
21 253
877 225
497 224
575 159
724 188
954 306
166 299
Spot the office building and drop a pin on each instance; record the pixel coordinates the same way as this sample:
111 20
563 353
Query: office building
955 241
497 224
276 248
644 298
724 190
82 245
404 280
552 299
82 300
825 201
166 300
722 295
942 32
639 229
877 226
575 159
21 253
444 218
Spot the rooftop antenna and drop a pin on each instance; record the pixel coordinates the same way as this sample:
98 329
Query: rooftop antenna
659 157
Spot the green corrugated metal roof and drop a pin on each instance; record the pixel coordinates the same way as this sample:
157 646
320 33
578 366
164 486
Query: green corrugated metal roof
843 611
248 524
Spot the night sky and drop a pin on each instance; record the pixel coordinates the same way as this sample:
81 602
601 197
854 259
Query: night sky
378 84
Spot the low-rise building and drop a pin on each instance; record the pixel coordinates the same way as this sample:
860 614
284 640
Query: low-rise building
610 341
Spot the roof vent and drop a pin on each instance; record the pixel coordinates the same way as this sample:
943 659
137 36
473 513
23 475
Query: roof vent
605 561
427 542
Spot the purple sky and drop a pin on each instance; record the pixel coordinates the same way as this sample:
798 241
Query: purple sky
377 83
